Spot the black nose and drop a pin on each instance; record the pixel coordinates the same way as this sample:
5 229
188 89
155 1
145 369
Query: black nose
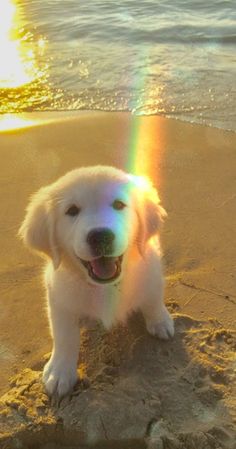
100 241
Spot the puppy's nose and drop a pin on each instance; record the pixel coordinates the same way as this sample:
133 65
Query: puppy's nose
100 241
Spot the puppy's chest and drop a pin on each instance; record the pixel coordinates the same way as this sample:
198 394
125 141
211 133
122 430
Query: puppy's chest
106 304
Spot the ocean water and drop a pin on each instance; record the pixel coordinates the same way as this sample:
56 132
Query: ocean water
176 58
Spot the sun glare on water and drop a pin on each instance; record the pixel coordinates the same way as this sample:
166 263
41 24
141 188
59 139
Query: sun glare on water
18 65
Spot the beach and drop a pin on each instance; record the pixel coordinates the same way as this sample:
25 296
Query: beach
193 167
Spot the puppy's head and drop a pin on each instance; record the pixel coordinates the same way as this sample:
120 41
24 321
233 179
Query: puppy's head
92 216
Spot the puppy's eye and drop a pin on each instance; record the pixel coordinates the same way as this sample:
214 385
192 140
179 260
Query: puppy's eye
118 205
73 211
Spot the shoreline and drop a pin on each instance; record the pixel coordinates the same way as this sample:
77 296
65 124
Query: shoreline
37 118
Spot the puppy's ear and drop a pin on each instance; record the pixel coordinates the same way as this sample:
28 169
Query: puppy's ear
38 227
150 213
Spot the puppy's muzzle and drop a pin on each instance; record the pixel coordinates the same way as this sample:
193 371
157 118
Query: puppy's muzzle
104 267
100 241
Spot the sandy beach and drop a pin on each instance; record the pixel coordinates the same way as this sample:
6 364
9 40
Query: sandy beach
193 168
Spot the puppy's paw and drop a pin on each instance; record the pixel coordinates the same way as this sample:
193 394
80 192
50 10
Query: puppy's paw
59 377
163 328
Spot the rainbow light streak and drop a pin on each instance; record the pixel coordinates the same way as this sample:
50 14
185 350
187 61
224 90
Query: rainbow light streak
144 156
147 133
143 159
145 148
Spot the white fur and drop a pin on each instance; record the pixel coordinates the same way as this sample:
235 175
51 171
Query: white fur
72 294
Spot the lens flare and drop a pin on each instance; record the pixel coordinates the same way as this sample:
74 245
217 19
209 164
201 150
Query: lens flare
145 147
147 133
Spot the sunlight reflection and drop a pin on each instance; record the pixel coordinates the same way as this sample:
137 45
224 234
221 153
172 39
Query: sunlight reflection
10 122
18 62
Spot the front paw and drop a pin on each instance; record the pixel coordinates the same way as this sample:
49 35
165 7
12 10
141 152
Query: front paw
59 377
163 327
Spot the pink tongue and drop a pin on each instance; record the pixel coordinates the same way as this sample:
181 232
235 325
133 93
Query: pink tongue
104 267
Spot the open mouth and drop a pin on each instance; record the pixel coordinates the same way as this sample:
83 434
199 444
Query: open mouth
104 269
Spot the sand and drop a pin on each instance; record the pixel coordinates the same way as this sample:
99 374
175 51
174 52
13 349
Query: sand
138 392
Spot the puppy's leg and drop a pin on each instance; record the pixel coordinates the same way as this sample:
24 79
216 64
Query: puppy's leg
158 320
60 373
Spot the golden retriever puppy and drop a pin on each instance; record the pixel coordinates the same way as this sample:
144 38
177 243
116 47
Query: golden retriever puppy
98 227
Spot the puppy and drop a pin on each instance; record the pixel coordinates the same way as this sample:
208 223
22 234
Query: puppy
98 228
